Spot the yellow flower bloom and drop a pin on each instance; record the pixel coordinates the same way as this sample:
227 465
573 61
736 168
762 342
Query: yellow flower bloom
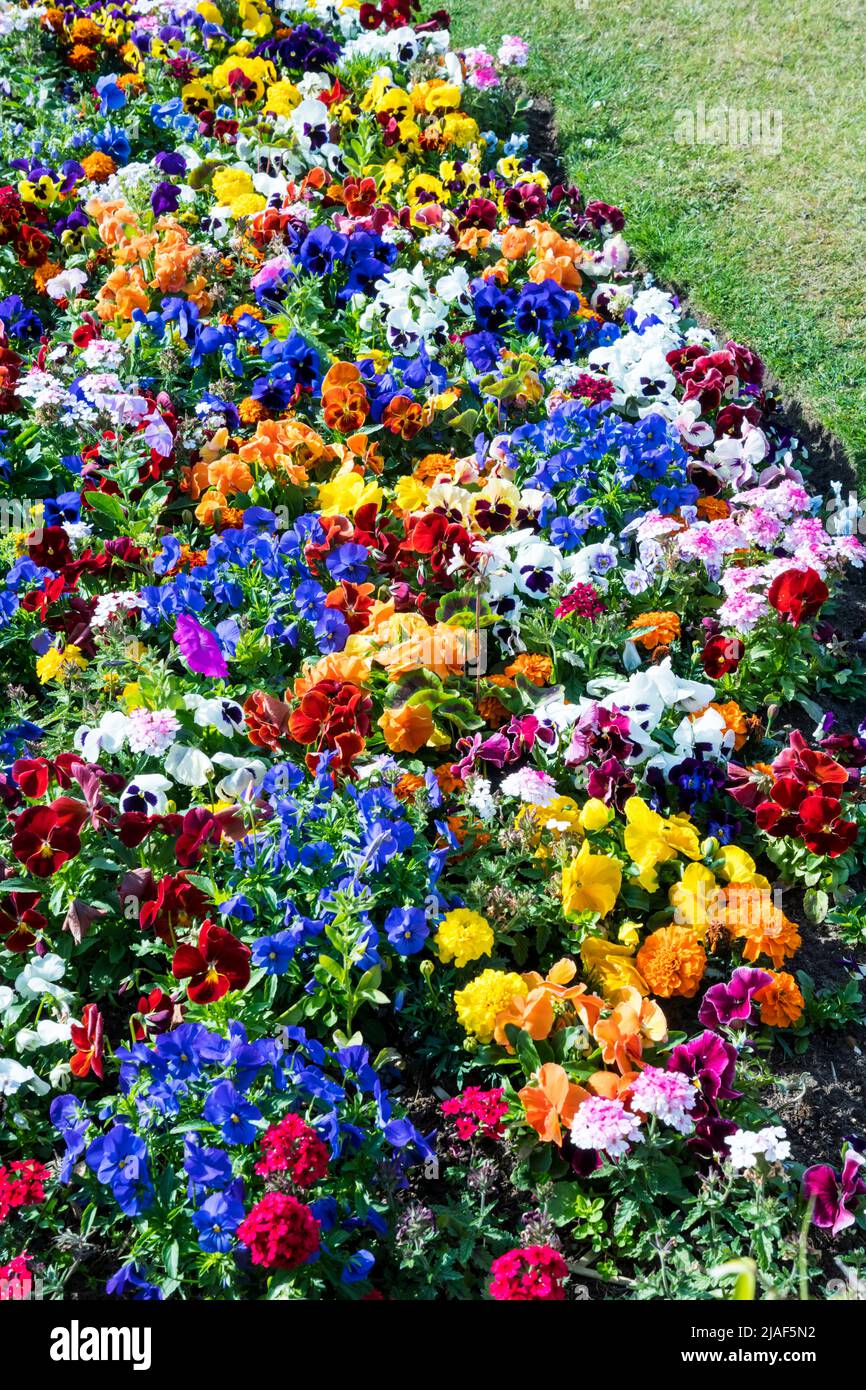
590 883
55 665
484 998
283 97
231 184
595 815
697 899
463 936
612 965
651 840
343 495
410 495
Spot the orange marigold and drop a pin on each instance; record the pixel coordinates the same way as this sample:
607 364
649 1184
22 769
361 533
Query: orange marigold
493 712
753 917
252 411
534 667
712 508
781 1001
444 775
659 629
672 962
98 167
82 58
406 786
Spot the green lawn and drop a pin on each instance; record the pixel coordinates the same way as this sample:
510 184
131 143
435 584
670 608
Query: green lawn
770 247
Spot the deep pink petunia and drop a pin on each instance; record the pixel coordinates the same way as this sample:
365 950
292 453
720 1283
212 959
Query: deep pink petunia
199 648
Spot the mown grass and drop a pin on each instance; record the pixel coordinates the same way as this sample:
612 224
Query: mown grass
770 246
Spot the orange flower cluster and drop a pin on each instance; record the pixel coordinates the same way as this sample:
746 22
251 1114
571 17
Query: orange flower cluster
672 961
655 629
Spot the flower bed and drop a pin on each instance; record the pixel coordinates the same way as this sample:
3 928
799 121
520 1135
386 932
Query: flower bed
418 637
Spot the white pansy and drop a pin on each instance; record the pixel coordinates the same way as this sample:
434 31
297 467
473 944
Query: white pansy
189 766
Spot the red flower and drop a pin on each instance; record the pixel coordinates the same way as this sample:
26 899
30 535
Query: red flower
294 1147
22 1184
46 836
19 920
811 767
280 1232
822 827
87 1040
200 827
335 717
722 655
267 719
155 1014
798 594
219 963
32 776
533 1274
176 906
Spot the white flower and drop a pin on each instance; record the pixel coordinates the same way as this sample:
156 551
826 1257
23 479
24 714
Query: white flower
746 1146
146 794
41 975
44 1034
66 285
109 736
189 766
13 1076
7 998
244 775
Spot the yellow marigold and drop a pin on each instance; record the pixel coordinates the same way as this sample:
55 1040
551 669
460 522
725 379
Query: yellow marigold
590 883
534 667
672 962
463 936
98 167
752 915
655 629
781 1001
483 998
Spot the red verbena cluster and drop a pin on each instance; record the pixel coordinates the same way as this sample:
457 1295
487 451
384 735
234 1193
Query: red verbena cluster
22 1184
583 600
475 1111
533 1274
294 1147
280 1232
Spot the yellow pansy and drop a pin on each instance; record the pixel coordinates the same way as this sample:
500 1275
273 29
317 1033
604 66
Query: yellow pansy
594 815
410 495
696 899
651 840
591 882
209 12
283 97
231 184
612 965
343 495
738 866
55 665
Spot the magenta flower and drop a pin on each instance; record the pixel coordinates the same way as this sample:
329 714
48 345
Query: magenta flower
731 1003
711 1061
199 648
832 1192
